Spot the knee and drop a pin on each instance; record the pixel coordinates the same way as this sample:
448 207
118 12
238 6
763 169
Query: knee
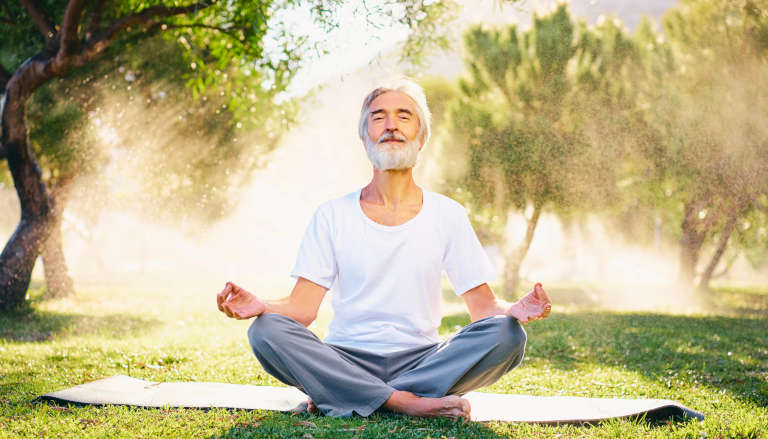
516 339
263 329
509 337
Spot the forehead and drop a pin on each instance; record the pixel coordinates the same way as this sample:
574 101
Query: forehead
393 101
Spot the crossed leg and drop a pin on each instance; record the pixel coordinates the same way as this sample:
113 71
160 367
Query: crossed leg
405 402
475 357
424 382
336 384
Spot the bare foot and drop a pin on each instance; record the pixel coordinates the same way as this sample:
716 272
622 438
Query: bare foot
311 407
450 406
533 306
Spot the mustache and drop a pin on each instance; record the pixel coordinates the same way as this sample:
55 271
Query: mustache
389 135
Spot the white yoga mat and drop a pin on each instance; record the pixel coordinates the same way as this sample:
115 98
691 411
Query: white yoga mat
124 390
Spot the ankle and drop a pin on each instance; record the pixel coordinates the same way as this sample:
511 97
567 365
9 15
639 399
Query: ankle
401 401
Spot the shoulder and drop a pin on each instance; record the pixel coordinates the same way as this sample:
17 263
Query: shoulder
337 207
446 205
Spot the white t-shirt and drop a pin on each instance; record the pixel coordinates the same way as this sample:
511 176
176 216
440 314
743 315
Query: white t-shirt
385 280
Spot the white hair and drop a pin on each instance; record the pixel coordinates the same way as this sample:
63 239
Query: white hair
410 89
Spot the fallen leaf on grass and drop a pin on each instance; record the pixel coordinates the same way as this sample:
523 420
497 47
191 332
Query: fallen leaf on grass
309 424
88 422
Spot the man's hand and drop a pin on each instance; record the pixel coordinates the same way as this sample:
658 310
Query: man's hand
238 303
535 305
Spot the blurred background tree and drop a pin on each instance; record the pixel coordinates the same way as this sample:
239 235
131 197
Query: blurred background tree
705 170
523 120
662 133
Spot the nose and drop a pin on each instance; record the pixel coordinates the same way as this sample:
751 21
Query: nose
389 123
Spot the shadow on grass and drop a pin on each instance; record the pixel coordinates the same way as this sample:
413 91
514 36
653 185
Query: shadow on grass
40 326
378 425
728 353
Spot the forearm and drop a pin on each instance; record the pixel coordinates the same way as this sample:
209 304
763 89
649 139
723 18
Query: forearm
289 308
301 305
492 308
482 303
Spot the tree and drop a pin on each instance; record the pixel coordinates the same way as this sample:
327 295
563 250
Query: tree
522 122
222 42
707 171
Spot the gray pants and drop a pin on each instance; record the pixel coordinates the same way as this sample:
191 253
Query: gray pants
342 381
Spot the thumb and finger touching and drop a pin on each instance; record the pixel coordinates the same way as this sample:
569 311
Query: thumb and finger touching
540 293
222 296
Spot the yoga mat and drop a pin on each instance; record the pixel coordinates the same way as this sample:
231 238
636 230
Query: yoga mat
124 390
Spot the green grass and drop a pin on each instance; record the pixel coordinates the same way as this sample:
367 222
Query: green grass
715 363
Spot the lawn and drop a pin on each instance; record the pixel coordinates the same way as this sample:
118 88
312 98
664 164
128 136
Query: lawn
716 363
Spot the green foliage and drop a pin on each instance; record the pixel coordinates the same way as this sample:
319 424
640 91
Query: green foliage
428 23
644 127
57 125
526 113
21 37
703 126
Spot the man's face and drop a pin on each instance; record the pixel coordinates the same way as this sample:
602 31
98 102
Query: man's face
393 111
393 128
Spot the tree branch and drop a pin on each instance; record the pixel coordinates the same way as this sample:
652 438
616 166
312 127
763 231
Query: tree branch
725 235
61 188
95 23
70 40
188 25
724 271
98 43
41 20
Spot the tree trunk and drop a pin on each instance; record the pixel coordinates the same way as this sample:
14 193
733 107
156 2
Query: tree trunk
57 281
725 235
694 231
690 246
18 257
515 259
511 275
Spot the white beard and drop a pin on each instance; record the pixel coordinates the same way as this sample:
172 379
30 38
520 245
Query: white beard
386 157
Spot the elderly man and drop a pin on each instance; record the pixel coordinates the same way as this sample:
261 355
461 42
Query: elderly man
383 248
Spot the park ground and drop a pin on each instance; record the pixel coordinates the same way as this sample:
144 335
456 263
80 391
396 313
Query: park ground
715 362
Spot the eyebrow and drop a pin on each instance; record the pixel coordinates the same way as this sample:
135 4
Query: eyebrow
399 110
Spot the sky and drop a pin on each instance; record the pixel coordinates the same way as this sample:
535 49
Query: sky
355 44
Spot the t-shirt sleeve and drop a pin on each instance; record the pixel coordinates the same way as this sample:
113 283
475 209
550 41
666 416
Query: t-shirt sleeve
466 262
316 260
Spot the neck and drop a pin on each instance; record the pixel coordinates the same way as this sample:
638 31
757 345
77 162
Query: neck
391 188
